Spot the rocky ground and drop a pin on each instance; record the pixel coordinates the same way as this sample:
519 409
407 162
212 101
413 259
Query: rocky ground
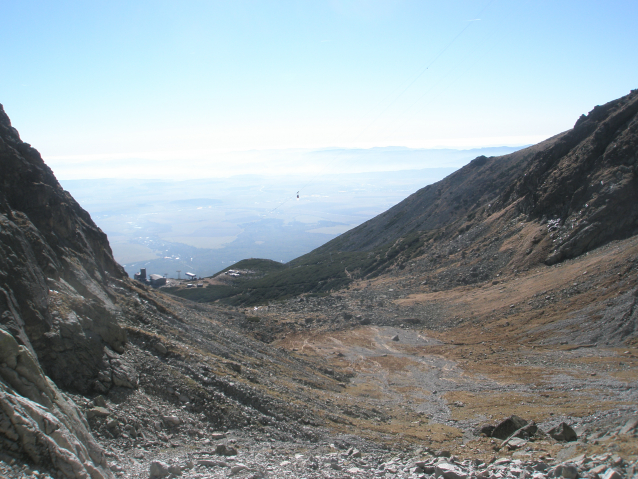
392 377
497 342
389 378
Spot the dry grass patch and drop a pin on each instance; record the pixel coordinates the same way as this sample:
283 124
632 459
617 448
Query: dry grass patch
537 407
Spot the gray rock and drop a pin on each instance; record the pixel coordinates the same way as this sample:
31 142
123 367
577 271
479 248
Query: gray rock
175 469
237 468
485 429
159 469
39 422
449 471
629 426
611 474
224 450
563 432
508 426
515 443
569 471
172 421
98 412
395 337
160 348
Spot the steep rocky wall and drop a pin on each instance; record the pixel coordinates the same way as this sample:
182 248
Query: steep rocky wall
55 264
38 422
587 183
57 314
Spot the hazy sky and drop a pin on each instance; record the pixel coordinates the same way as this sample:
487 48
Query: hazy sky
113 80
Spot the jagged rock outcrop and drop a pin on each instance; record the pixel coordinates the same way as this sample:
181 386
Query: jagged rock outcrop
57 314
582 183
587 182
54 269
38 421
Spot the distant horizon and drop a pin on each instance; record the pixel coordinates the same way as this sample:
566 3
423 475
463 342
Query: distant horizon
270 162
212 82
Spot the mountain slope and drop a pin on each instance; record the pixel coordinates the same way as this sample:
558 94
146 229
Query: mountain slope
579 177
581 184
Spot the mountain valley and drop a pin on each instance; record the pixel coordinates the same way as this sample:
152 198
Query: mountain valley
486 326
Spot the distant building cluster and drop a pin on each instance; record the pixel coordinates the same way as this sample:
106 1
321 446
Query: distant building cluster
155 280
233 272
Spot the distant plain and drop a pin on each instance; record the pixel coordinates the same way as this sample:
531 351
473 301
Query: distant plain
204 225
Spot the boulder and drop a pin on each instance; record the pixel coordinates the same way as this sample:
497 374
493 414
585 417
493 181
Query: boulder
172 421
485 430
159 469
449 471
629 426
563 432
224 450
508 426
39 422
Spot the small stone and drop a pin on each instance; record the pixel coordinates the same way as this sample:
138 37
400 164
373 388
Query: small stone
172 421
112 424
629 426
237 468
395 337
515 443
616 461
563 432
175 469
159 469
611 474
569 471
160 348
449 471
97 412
598 469
224 450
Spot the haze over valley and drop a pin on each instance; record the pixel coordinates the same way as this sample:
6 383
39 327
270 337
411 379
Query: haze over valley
204 225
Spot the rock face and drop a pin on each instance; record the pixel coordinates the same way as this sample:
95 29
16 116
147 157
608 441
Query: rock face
38 421
56 310
583 183
587 181
54 267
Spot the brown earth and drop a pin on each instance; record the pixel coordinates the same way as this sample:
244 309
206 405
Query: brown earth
525 345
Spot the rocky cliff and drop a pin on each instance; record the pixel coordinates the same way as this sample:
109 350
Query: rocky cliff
58 317
584 180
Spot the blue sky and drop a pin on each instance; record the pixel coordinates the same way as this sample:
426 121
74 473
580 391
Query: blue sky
112 80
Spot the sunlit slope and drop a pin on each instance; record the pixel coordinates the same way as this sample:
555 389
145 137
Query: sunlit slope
549 202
